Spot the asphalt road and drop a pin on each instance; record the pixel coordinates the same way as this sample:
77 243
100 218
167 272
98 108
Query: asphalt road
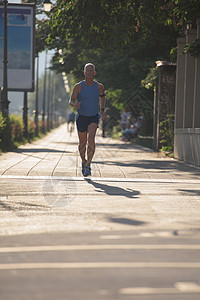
131 231
133 264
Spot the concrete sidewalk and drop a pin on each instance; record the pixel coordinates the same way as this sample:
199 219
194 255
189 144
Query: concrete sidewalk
130 230
57 155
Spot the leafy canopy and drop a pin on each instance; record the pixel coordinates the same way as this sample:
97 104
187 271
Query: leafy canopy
122 37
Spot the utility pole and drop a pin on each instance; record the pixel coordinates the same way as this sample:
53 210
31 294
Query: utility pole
4 92
25 116
44 95
48 100
36 99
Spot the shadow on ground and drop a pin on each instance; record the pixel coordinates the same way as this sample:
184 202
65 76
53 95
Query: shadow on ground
41 150
21 206
154 165
113 190
127 221
192 192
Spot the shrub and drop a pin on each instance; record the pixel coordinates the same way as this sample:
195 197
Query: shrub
167 133
12 131
5 134
16 124
31 129
116 132
2 126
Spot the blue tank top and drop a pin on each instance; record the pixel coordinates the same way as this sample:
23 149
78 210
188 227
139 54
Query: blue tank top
89 98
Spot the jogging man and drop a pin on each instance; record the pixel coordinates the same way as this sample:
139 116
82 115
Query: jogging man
87 96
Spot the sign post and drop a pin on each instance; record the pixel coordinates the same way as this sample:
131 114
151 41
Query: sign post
4 91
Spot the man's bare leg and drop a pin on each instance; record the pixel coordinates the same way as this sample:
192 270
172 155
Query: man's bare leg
82 145
92 128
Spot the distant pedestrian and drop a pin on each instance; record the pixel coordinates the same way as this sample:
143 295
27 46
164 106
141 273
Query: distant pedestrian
86 97
125 117
132 132
70 122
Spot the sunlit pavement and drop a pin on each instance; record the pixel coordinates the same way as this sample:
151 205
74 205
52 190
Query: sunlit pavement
130 231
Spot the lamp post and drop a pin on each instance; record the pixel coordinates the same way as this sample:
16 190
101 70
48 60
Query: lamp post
36 99
188 24
4 93
47 5
58 111
47 8
52 101
44 94
48 100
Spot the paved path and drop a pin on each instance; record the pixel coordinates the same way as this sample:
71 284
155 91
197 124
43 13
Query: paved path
129 185
130 231
57 155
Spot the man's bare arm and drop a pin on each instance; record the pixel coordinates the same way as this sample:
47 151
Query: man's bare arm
73 99
102 96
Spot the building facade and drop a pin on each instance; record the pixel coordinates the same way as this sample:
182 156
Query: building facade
187 102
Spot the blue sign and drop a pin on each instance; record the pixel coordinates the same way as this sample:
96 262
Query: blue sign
20 43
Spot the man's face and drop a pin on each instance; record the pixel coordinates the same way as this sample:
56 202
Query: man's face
89 72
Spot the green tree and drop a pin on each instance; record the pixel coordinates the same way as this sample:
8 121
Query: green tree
116 24
123 38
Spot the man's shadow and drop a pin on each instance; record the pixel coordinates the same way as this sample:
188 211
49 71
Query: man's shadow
113 190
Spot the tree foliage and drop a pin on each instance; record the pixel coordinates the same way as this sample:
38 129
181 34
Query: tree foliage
117 23
123 38
193 49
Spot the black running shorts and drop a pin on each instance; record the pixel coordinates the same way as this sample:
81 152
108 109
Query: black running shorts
83 122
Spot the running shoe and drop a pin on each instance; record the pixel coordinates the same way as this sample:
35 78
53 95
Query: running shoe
87 171
83 169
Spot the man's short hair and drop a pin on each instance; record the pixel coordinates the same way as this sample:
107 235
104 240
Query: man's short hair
89 64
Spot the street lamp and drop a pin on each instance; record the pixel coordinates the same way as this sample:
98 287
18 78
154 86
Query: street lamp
4 99
189 25
47 5
47 8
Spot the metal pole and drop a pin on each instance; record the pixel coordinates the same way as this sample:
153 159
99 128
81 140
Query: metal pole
52 91
25 116
4 101
155 108
44 95
48 100
36 99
